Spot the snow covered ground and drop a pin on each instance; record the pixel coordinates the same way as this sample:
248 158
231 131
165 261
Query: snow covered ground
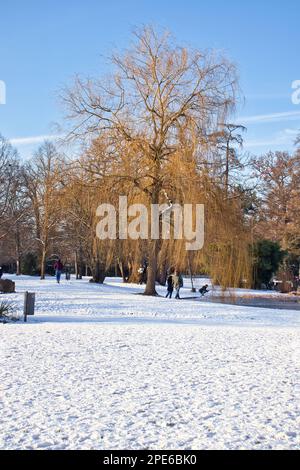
102 367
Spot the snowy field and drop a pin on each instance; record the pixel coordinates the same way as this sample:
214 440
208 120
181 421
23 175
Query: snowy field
102 367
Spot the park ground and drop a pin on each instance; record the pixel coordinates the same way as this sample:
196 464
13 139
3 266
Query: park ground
102 367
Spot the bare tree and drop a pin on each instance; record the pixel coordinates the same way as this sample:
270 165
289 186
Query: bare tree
42 182
157 90
279 177
229 141
9 169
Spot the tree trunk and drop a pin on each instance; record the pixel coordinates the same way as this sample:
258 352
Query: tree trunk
162 275
81 269
227 170
152 269
18 254
122 271
43 264
153 251
99 273
76 265
120 264
18 268
191 272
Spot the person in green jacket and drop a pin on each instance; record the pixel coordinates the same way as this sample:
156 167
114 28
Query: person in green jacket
178 283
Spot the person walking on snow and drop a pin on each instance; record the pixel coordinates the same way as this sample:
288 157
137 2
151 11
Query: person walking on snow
178 283
170 284
1 272
58 266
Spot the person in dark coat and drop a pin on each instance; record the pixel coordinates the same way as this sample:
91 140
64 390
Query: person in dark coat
58 266
170 284
1 272
142 271
204 290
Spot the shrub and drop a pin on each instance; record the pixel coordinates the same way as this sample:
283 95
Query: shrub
267 258
6 312
30 264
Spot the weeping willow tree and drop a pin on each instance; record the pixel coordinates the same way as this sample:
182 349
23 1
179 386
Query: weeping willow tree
189 178
157 93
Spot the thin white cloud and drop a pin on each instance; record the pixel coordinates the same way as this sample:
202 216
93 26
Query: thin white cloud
18 141
260 143
292 132
265 118
267 96
286 137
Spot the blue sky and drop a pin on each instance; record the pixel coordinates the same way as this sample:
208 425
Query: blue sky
43 44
